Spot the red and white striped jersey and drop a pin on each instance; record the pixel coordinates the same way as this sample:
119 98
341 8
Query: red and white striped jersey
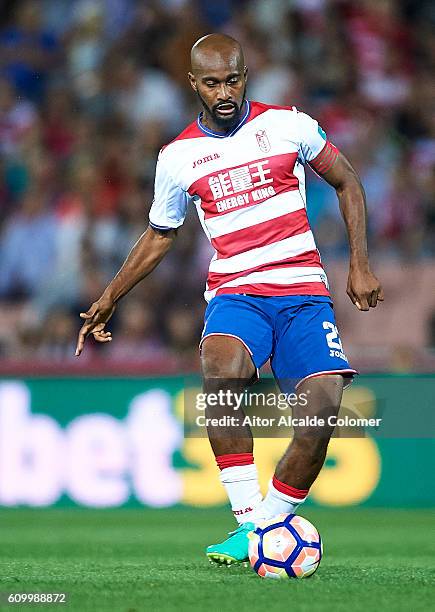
249 191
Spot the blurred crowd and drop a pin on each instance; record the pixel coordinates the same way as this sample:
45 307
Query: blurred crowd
91 89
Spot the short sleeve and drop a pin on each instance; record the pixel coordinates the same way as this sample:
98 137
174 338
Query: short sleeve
170 201
312 138
314 146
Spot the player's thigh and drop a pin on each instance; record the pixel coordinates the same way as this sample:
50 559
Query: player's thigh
237 337
308 345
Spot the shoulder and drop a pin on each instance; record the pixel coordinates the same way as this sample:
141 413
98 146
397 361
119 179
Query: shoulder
295 123
288 117
258 108
190 132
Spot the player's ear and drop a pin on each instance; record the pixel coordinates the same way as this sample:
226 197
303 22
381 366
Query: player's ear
245 73
192 81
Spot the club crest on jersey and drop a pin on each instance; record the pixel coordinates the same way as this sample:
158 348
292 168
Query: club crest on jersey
263 141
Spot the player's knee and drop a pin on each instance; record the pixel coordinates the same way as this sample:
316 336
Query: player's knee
225 358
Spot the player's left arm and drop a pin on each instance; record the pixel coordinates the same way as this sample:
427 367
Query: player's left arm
363 288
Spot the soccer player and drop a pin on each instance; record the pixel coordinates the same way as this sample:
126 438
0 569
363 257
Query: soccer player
241 163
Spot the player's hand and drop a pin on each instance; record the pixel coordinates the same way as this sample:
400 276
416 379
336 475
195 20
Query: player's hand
363 288
95 321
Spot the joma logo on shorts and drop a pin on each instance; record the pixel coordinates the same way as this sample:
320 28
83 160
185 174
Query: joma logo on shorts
205 159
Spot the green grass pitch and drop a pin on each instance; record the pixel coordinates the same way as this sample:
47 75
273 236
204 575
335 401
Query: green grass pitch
134 560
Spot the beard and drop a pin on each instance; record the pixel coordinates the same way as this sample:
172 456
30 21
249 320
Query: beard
224 123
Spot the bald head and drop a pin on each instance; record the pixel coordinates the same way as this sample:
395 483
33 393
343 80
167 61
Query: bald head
218 77
216 51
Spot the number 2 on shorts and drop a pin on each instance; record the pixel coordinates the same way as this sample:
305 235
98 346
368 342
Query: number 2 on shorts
332 337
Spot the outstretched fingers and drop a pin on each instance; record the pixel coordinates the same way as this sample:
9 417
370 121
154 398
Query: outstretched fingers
91 326
95 320
84 330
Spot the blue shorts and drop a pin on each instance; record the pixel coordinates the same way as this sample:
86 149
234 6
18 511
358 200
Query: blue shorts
297 333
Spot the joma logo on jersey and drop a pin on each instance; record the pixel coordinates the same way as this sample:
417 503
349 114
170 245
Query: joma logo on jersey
205 159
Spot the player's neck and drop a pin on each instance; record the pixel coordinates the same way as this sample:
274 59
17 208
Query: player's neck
207 121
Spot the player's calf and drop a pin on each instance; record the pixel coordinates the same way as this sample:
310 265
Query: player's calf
228 370
301 463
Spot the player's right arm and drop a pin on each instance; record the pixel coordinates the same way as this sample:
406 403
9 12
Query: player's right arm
167 214
146 254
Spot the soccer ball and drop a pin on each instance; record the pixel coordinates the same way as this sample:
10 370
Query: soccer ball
286 546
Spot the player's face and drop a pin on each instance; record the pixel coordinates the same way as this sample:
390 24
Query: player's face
221 90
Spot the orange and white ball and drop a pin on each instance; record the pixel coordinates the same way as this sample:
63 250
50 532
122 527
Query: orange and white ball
286 546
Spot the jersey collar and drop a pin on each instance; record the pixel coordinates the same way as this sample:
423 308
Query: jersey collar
208 132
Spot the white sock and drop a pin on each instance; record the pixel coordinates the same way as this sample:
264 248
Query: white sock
277 502
243 490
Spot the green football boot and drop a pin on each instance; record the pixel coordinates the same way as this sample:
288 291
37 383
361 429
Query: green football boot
234 549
